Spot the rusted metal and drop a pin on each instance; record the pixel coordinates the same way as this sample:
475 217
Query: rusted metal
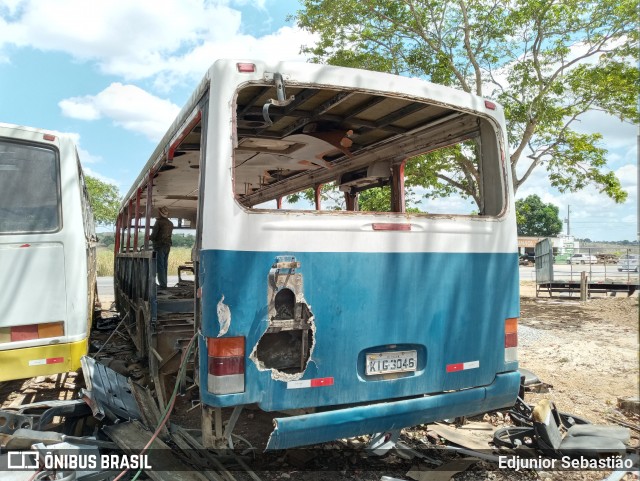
216 460
110 391
148 407
147 214
286 344
129 206
132 437
10 422
25 438
137 220
397 188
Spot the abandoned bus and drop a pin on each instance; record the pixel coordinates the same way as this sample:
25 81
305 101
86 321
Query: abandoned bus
366 319
47 254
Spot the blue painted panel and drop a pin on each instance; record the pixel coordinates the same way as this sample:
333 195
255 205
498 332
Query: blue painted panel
452 304
340 423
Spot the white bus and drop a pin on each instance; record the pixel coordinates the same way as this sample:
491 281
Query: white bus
47 254
369 319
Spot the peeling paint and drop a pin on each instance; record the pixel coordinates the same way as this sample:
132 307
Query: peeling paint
274 432
286 345
224 317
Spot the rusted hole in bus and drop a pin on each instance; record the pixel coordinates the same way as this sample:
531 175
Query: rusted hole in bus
284 351
287 344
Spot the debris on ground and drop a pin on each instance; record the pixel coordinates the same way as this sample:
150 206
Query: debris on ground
85 416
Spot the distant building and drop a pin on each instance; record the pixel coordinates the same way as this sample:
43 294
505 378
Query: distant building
562 245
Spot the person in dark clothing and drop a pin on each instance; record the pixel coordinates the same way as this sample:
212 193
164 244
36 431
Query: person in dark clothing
161 239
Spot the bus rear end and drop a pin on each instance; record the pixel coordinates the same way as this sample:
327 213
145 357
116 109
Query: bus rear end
370 320
44 304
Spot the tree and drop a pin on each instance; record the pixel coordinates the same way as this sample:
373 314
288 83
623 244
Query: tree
548 62
537 219
104 199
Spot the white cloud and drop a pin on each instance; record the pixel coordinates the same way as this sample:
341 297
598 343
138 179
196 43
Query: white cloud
120 34
284 44
261 4
79 108
593 214
616 134
628 175
173 39
127 106
10 6
87 157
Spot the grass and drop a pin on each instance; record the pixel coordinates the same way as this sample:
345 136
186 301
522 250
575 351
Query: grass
177 257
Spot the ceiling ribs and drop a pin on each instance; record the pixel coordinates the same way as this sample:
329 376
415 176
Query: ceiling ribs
300 98
317 112
253 100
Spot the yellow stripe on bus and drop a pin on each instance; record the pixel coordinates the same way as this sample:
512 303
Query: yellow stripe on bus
32 361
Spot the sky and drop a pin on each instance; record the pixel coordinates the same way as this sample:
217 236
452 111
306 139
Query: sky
115 73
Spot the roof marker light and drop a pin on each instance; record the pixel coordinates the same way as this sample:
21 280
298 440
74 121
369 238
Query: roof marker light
489 104
246 67
49 137
390 226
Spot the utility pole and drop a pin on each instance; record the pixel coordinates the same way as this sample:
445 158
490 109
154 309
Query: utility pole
567 220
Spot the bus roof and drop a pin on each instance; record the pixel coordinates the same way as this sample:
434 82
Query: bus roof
394 83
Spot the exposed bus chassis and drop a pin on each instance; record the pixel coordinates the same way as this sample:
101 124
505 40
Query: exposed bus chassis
160 324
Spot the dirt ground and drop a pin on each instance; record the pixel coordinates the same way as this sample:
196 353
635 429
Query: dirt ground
587 351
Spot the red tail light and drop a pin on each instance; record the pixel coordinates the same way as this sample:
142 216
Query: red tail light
511 332
24 333
226 364
31 331
511 339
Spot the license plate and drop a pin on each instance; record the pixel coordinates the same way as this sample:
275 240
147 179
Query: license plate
388 362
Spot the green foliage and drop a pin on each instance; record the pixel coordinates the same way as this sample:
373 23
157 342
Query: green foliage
377 199
104 199
183 240
535 218
547 62
330 197
107 239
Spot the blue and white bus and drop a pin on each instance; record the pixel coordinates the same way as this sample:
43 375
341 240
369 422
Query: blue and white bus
47 254
368 321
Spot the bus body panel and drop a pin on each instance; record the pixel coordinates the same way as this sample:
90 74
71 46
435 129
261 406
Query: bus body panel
41 360
33 278
325 426
441 304
240 227
50 275
442 287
